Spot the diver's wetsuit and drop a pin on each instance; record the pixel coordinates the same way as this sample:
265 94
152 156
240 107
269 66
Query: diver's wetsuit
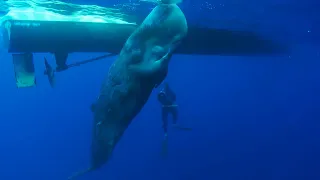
167 98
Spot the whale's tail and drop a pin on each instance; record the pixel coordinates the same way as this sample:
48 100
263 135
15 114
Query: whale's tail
80 173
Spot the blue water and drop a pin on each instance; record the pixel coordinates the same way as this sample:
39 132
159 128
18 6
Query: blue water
253 118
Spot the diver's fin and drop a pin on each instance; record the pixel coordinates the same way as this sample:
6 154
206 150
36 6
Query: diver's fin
184 128
164 148
49 72
80 173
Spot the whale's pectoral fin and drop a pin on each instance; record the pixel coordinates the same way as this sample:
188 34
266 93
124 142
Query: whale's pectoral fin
149 67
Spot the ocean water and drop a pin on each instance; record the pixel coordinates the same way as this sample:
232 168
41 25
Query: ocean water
252 117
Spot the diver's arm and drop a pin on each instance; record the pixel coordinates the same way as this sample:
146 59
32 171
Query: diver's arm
174 97
165 121
170 93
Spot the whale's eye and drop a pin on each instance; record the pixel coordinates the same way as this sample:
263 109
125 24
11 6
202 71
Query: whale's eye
158 50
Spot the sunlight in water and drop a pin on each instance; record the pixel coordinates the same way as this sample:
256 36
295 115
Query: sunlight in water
45 10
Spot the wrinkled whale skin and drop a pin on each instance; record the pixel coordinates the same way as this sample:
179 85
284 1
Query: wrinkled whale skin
124 92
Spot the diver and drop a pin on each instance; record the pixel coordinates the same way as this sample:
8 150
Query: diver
167 99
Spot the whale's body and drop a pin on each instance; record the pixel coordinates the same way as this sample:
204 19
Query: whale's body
141 66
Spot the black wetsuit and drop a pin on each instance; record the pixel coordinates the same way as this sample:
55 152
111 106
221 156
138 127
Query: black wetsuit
167 99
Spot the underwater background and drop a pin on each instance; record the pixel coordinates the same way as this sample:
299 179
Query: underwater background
253 117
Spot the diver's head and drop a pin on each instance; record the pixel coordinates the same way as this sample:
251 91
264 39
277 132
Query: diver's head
162 96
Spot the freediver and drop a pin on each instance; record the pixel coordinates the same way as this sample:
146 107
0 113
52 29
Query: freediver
167 99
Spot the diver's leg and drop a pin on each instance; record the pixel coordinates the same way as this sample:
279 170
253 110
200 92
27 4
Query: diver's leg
164 150
174 111
165 121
